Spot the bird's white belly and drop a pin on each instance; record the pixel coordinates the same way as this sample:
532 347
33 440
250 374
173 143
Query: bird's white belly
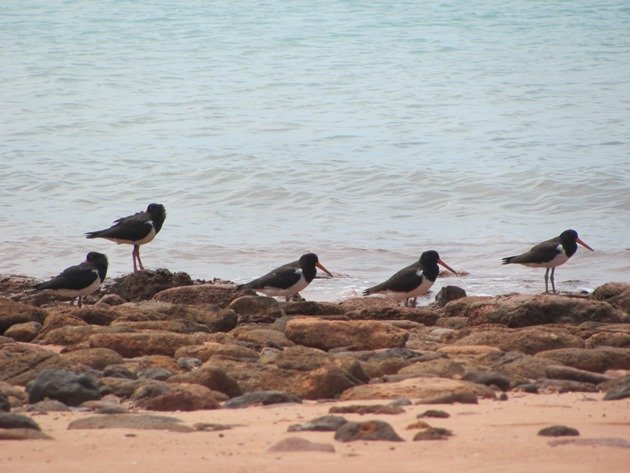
278 292
557 260
78 292
422 289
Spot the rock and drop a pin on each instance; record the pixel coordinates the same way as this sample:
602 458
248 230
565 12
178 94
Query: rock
212 377
434 413
303 358
20 363
439 367
23 434
597 442
378 308
15 286
564 386
90 314
158 374
415 388
97 358
481 351
188 363
296 444
597 360
59 320
433 433
608 338
529 340
558 431
48 405
143 285
191 397
213 349
10 420
620 390
367 409
131 345
70 388
118 371
463 397
5 404
131 421
369 430
263 337
311 308
574 374
448 294
24 332
326 382
614 293
521 310
73 335
328 423
216 320
110 300
488 378
519 367
12 313
257 309
263 398
219 295
359 335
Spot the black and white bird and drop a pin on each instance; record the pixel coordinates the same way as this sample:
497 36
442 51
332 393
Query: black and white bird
288 279
413 281
78 281
550 254
137 229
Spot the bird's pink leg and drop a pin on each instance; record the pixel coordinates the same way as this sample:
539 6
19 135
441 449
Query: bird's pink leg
138 256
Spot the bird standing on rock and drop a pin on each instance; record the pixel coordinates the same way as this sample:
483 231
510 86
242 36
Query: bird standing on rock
136 230
288 279
413 281
78 281
549 254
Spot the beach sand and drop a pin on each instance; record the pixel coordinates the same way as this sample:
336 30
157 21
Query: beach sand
491 436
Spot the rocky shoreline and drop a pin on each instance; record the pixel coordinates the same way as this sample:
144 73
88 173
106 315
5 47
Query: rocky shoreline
156 342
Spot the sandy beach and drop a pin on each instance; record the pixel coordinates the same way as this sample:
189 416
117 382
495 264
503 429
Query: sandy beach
491 436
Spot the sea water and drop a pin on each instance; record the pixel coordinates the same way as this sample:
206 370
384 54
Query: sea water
366 132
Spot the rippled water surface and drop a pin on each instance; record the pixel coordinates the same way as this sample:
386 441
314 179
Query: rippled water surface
367 132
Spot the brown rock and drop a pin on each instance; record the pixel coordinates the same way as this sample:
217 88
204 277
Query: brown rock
440 367
597 360
143 285
615 336
615 293
377 308
149 343
311 308
183 397
258 308
520 310
74 335
414 388
433 433
219 295
263 337
12 313
517 366
97 358
23 434
528 340
369 430
360 335
448 294
296 444
327 382
20 363
212 377
25 332
303 358
214 349
367 409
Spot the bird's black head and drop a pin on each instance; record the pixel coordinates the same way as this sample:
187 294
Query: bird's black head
309 259
98 259
429 257
569 235
156 211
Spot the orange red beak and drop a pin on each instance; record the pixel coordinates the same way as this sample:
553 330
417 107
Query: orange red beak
446 266
321 266
583 244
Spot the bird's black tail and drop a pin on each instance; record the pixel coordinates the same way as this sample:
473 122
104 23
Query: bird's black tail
96 234
508 260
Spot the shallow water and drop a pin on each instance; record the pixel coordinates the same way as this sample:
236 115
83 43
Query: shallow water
366 133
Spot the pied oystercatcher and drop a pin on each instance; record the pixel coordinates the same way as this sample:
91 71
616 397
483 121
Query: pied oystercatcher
136 230
78 281
288 279
549 254
412 281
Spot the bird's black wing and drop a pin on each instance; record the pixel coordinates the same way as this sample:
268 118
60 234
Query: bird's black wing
74 277
283 277
134 227
541 253
405 280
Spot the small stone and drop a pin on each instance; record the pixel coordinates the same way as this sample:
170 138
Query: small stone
320 424
488 378
23 434
463 397
366 409
189 363
297 444
47 405
10 420
264 398
131 421
369 430
209 427
159 374
558 431
70 388
418 425
448 294
433 433
434 413
620 391
5 405
118 371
